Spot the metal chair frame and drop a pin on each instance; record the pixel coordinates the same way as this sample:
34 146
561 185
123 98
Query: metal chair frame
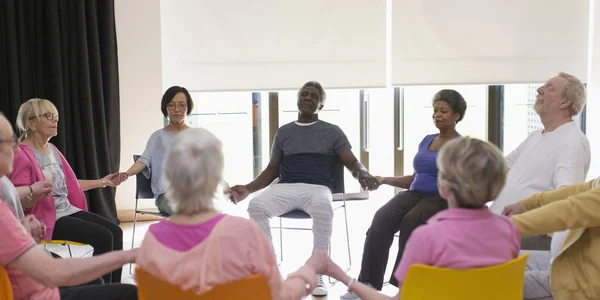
143 190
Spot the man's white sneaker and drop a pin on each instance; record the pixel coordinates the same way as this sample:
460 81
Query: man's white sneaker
350 296
321 289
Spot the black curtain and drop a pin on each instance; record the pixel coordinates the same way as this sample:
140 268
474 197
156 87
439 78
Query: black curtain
66 51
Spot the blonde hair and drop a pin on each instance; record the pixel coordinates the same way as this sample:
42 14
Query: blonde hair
574 91
474 170
31 109
193 170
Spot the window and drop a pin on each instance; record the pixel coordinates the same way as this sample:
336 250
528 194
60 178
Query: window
519 117
228 115
380 129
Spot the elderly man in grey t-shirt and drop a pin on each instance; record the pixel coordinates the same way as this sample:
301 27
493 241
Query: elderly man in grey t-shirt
303 157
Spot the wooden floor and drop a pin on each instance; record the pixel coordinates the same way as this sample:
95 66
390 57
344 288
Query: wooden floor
297 244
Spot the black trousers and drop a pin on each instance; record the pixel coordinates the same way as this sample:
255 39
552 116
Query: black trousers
405 212
94 230
114 291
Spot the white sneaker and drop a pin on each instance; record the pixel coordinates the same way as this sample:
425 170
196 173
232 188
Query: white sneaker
350 296
321 289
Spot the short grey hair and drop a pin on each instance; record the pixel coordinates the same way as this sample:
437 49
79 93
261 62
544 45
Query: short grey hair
474 170
193 170
574 91
316 85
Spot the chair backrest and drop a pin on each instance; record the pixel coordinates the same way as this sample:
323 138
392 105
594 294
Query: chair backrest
500 282
5 288
143 189
338 178
152 288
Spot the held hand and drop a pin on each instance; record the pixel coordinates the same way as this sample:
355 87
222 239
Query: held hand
227 191
322 264
238 193
35 227
39 230
379 179
120 178
318 261
368 182
110 179
41 187
26 222
513 209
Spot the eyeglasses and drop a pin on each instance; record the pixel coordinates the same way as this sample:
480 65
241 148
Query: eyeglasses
50 116
172 106
11 142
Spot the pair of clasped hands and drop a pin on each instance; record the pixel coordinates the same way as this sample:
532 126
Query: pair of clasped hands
238 193
43 188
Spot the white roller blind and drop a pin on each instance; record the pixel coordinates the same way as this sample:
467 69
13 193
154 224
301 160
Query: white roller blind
487 41
272 44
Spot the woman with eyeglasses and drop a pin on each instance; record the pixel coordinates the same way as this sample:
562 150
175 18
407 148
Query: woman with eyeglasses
176 105
49 189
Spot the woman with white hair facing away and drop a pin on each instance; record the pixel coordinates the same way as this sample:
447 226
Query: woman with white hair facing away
467 235
199 247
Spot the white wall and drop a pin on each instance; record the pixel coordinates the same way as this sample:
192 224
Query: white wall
593 89
140 84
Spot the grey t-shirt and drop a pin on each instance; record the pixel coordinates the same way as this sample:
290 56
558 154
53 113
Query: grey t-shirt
308 152
153 157
50 162
9 194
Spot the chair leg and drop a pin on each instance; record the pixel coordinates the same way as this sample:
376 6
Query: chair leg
91 251
348 239
70 253
332 282
133 234
280 241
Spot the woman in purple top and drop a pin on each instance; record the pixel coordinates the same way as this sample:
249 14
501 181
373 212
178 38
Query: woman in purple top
413 207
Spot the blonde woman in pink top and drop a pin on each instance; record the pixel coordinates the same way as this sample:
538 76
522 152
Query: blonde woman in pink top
199 248
467 235
35 275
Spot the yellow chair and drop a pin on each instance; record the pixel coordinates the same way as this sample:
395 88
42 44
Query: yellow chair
64 243
501 282
5 288
152 288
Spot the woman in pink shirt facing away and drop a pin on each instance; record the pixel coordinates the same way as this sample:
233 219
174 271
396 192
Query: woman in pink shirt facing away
199 248
467 235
